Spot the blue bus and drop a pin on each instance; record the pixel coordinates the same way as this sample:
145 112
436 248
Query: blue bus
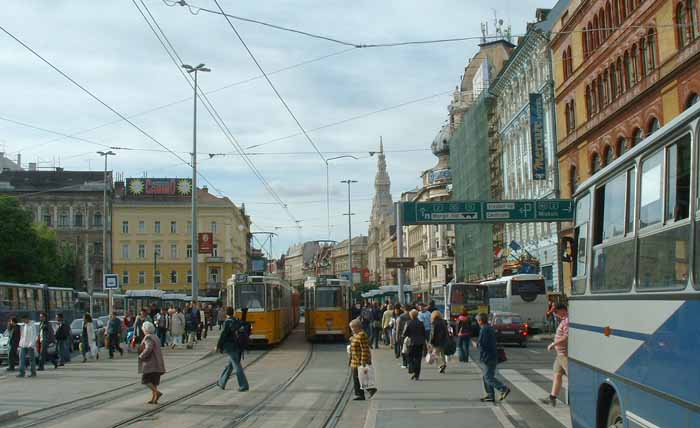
634 338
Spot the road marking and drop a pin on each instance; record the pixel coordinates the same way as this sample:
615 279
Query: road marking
371 415
549 375
510 411
534 392
532 352
502 417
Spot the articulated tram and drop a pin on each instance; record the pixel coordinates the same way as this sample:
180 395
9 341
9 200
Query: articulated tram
270 302
327 308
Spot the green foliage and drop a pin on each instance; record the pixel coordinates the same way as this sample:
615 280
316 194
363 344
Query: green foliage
30 253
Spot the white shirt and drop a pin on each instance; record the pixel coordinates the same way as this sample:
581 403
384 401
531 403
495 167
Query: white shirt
28 337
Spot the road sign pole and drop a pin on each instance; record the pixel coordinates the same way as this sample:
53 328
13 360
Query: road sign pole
399 243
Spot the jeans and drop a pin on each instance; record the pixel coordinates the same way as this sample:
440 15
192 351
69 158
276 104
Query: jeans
13 358
162 331
387 336
463 348
489 378
234 362
114 344
374 338
415 356
397 348
25 353
63 350
44 357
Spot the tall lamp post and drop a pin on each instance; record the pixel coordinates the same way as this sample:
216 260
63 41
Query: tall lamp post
349 214
195 252
105 217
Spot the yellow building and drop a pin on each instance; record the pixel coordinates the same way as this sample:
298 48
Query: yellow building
152 236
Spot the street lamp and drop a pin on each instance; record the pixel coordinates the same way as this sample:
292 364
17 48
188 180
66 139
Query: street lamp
349 214
104 230
195 252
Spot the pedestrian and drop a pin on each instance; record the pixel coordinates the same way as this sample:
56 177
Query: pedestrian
222 318
561 346
366 317
177 327
424 317
46 338
376 329
356 311
463 332
161 323
14 334
395 341
386 324
88 341
153 313
415 332
214 317
209 316
27 346
138 327
360 355
200 321
228 343
403 320
439 339
114 330
151 363
63 340
488 356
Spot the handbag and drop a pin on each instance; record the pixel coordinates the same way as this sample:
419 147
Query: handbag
365 374
502 358
451 347
406 345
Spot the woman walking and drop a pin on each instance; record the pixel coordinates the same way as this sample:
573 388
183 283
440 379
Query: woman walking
151 364
88 341
177 327
439 338
463 331
415 332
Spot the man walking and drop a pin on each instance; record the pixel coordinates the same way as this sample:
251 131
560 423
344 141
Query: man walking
561 346
14 335
27 345
376 329
161 323
386 323
403 320
488 355
228 343
360 355
46 338
424 317
62 340
114 329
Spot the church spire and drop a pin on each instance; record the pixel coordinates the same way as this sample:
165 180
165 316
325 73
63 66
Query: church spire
383 203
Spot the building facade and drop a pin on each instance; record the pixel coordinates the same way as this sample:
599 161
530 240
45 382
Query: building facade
71 203
305 260
381 227
621 70
339 259
152 232
527 168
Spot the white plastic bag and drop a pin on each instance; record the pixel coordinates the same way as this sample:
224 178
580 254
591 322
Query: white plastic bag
430 358
365 375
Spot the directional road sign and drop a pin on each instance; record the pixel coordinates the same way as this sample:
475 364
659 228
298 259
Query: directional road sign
400 262
513 211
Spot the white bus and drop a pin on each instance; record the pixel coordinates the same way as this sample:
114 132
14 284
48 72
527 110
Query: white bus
634 333
524 294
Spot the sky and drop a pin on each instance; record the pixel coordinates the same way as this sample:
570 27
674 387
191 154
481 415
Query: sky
108 48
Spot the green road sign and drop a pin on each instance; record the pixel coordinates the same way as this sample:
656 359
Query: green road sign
514 211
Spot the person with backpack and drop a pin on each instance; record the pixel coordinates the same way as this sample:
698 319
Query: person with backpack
233 340
46 338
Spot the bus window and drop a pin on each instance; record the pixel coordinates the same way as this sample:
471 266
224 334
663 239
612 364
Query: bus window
329 297
276 297
583 206
498 291
678 180
651 207
631 198
528 290
251 296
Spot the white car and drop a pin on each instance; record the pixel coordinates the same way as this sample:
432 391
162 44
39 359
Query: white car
4 347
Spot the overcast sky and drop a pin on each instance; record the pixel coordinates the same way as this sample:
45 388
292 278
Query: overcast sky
108 48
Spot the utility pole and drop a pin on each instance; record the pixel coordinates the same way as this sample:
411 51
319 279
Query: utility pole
105 218
155 268
399 244
195 252
349 214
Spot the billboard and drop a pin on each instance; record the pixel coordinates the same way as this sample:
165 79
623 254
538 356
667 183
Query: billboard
205 243
158 186
539 171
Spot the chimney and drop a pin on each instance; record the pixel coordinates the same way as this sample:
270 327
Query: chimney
19 160
32 166
205 189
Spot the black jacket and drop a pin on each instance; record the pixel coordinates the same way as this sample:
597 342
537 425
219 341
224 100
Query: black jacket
439 335
228 338
63 332
14 336
416 331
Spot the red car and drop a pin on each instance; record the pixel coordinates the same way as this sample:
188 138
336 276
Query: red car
509 328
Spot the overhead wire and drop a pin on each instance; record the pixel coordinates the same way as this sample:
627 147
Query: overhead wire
50 131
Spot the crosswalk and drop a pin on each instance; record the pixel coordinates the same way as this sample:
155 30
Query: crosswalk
535 392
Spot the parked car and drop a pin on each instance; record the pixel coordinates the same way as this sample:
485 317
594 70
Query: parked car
76 331
5 343
510 328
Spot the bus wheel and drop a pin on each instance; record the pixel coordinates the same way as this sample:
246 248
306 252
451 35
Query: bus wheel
614 419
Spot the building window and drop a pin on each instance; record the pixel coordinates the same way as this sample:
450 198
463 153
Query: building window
613 82
97 219
589 102
573 180
156 227
125 277
621 146
644 58
63 220
173 227
47 219
189 277
584 41
173 251
692 100
142 251
189 251
637 136
142 226
156 250
97 247
620 77
215 252
213 227
189 226
125 251
681 29
653 126
156 277
629 77
173 277
78 220
595 163
608 156
125 227
142 278
693 16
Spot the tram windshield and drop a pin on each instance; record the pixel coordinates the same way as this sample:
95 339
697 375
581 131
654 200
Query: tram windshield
251 296
329 297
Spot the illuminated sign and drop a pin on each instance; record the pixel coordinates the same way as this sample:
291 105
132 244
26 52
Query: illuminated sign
159 186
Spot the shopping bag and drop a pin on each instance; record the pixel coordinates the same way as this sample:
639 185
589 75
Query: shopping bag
502 358
430 358
365 375
406 346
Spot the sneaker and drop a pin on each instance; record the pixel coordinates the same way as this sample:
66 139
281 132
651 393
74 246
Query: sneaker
487 398
403 367
372 392
242 389
552 401
358 398
504 394
20 375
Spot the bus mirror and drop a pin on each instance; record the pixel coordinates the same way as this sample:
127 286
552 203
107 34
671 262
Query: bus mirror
568 249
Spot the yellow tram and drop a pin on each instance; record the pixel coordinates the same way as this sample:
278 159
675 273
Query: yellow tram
327 308
270 302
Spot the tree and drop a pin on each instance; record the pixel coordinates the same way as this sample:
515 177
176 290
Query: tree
30 253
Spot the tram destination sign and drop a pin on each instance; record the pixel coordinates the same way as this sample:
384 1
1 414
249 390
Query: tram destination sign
511 211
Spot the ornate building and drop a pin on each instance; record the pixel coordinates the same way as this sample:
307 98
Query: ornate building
339 258
381 225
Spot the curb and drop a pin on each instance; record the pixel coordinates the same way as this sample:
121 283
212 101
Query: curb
9 415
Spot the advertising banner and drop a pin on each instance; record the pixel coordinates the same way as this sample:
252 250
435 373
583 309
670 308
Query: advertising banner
206 243
539 170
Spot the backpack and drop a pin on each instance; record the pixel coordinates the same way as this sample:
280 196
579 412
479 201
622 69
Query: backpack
243 335
161 321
